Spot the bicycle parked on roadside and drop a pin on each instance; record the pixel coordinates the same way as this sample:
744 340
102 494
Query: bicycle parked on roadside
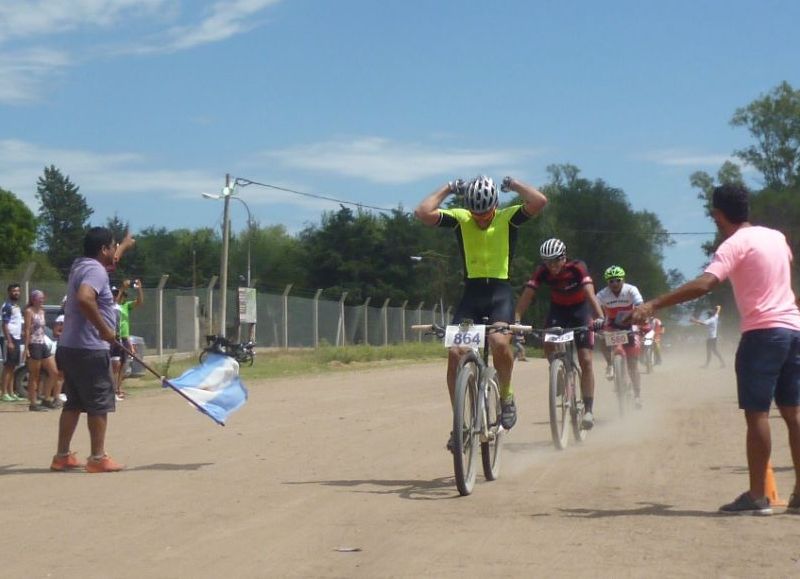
565 396
476 404
243 353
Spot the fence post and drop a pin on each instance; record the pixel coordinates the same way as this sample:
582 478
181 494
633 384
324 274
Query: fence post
366 321
316 318
385 312
403 320
210 303
340 335
433 313
160 313
444 322
419 319
286 315
26 282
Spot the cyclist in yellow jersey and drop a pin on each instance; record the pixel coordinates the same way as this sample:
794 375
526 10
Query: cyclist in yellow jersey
486 237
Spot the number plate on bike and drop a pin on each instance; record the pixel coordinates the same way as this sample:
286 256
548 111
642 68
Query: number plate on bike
465 337
559 338
616 338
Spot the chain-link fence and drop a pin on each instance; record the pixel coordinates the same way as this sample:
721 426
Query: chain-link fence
283 320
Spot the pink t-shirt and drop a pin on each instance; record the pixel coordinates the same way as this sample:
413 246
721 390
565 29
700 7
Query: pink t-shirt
758 262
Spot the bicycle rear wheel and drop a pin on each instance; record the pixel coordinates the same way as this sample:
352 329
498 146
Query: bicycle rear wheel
491 449
465 439
577 409
649 359
559 404
621 384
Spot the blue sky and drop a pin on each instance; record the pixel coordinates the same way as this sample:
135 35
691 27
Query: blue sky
147 103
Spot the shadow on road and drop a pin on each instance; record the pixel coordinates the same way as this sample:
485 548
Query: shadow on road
416 490
648 510
170 466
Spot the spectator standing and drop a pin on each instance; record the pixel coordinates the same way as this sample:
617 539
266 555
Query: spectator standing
38 356
83 351
12 336
125 306
757 260
658 331
712 327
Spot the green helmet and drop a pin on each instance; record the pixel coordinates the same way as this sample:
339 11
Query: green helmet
613 272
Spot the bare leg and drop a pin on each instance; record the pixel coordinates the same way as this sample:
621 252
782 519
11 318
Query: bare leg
633 370
34 367
759 447
503 360
587 373
66 429
791 414
97 433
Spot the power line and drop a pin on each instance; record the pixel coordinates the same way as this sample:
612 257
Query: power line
245 182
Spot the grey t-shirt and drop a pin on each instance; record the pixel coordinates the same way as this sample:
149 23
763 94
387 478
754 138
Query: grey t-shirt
711 325
79 332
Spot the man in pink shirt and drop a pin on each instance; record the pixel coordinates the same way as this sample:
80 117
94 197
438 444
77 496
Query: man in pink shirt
757 260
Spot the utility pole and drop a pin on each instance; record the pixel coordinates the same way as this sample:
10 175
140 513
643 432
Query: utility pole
223 269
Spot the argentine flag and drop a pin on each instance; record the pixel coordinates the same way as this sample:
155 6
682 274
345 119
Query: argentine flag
213 387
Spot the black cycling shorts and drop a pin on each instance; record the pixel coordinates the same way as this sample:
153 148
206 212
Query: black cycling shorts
486 297
570 317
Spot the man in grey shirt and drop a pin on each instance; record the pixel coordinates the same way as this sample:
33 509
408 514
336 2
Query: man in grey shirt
83 351
712 327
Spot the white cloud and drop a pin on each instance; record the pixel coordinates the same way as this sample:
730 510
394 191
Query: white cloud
31 26
683 158
384 161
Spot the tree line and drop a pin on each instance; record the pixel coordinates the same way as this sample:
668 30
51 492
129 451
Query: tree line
392 255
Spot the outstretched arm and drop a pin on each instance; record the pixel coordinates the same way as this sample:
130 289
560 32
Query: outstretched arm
523 303
696 288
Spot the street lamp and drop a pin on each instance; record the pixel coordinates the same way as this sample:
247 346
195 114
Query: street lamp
227 194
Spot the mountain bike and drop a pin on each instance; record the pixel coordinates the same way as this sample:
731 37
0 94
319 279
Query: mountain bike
476 404
243 353
623 386
565 395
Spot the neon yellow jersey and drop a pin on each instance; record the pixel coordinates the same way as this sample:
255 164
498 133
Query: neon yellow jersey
486 253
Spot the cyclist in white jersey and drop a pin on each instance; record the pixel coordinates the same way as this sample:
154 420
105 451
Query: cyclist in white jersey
618 298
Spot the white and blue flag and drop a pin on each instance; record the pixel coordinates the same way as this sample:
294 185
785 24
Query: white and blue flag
213 387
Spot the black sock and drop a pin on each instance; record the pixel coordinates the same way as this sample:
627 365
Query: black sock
588 402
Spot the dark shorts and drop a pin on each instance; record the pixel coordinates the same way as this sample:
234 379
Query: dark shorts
87 380
39 351
11 359
570 317
486 298
767 368
119 352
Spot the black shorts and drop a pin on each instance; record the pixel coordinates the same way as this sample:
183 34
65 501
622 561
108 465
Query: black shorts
87 380
39 351
11 359
118 352
486 298
570 317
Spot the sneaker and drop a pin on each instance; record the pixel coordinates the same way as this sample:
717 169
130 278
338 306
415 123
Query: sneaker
62 397
508 416
637 402
118 398
50 404
588 421
745 505
609 372
105 464
38 408
794 504
62 463
17 398
8 398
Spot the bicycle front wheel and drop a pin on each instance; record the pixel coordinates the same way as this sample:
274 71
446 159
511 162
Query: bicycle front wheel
621 384
577 409
491 448
465 439
559 404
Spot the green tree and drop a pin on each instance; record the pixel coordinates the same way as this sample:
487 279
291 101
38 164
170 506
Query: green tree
63 218
17 230
774 121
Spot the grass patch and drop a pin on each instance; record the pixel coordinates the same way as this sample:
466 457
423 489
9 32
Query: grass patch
281 363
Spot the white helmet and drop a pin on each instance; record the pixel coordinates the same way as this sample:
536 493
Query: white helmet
481 195
552 249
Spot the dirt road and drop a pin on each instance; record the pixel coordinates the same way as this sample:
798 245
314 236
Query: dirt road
356 460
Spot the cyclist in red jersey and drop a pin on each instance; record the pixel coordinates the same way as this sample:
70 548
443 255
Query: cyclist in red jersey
572 302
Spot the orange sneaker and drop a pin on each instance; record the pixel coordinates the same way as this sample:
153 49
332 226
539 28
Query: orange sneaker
105 464
69 462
